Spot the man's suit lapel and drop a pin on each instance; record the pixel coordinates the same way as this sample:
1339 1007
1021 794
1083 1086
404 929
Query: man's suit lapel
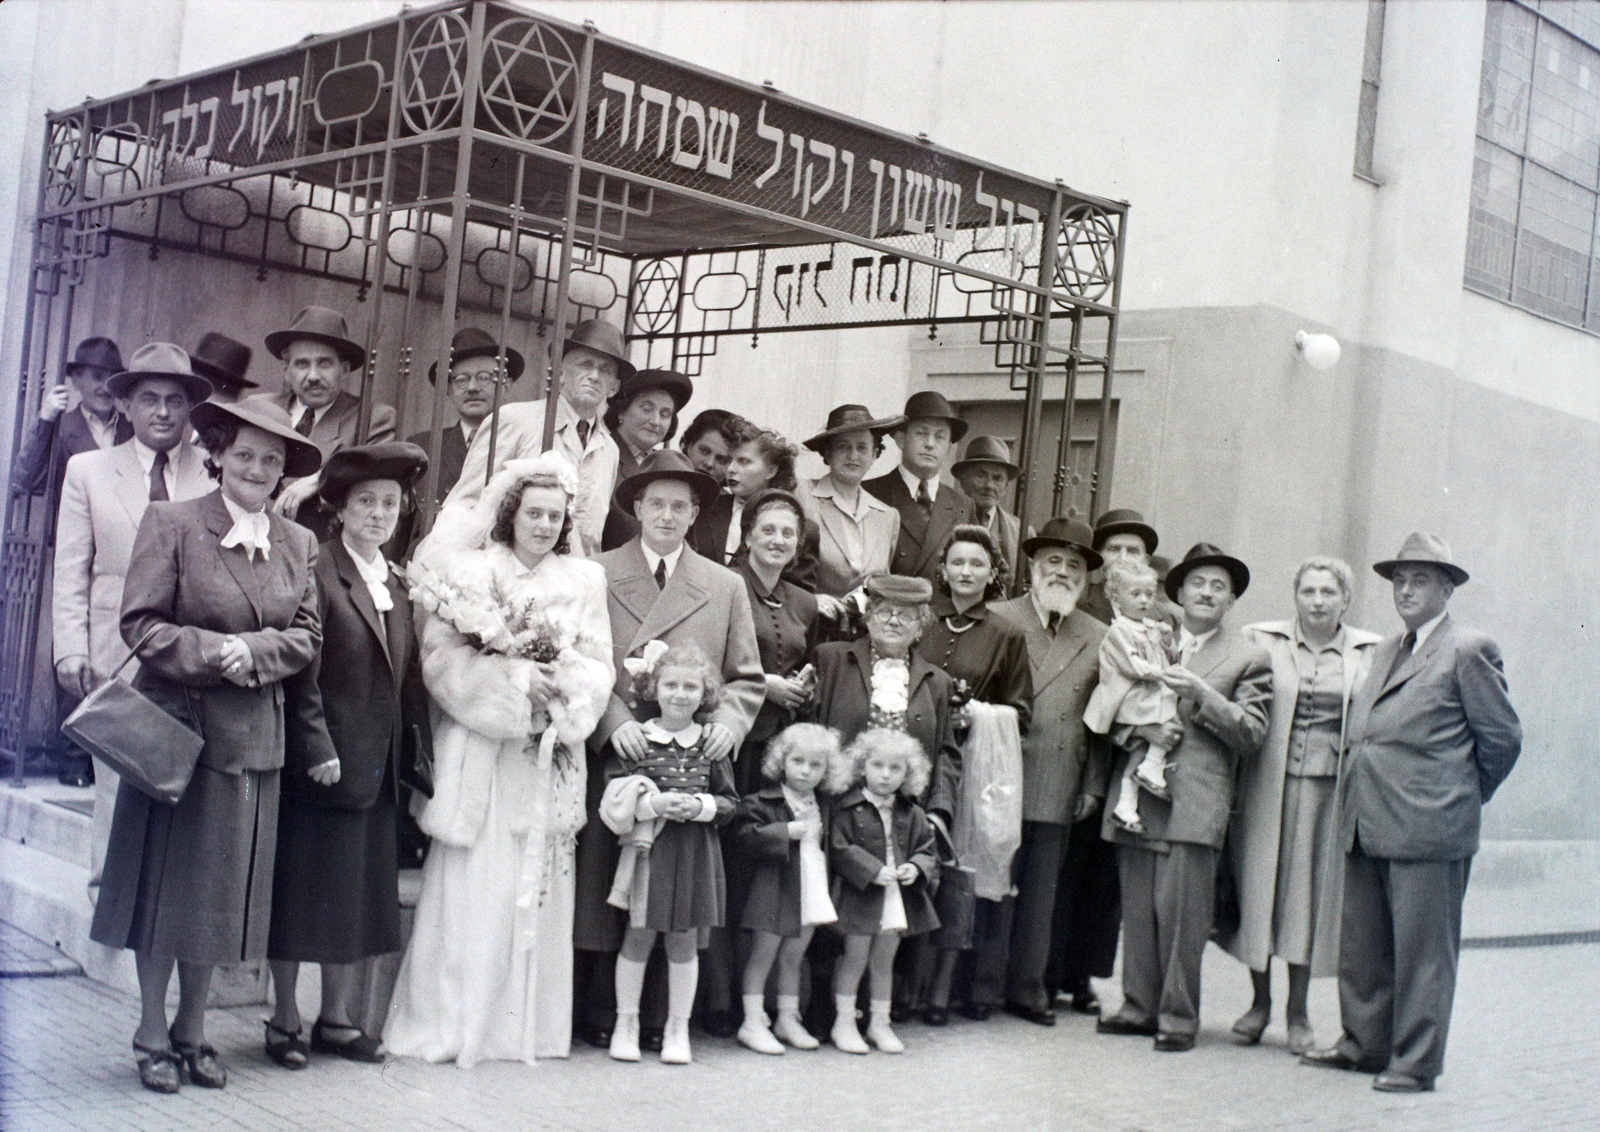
360 596
130 487
1048 655
686 592
1413 663
1212 653
328 434
189 478
236 559
947 512
633 587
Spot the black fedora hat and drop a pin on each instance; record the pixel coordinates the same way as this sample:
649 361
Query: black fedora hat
1074 534
986 450
844 419
300 456
1125 521
600 336
665 464
1424 548
470 342
930 405
96 353
674 384
222 361
160 359
318 324
1205 554
392 460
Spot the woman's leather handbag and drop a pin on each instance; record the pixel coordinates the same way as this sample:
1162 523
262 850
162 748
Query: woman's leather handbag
117 724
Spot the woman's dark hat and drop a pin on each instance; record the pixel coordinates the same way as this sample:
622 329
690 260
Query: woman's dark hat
929 405
851 418
318 324
396 460
902 589
600 336
96 353
674 384
1072 534
1420 547
300 456
1125 522
223 362
665 464
1205 554
470 342
160 359
986 450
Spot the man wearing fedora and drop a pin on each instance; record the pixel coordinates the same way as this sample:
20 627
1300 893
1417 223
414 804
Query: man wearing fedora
477 379
1169 869
657 588
986 474
318 353
929 510
1063 766
1122 535
1432 734
594 363
224 363
103 497
61 433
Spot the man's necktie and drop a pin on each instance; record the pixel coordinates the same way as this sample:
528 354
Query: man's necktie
924 500
307 419
158 479
1055 623
583 433
661 573
1403 654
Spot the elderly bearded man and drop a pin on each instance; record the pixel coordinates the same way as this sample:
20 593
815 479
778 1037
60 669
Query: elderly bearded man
1432 735
1169 868
594 364
1063 768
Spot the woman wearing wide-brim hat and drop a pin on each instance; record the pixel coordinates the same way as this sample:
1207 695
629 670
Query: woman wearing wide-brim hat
641 416
335 891
220 603
857 531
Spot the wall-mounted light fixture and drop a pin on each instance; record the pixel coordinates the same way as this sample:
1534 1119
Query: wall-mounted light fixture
1320 351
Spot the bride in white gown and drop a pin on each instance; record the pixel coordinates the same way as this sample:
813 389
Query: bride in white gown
516 652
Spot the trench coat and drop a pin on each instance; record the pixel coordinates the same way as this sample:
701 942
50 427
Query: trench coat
1254 839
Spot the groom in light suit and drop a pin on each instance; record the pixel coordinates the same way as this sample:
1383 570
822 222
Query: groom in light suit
103 497
658 588
1432 734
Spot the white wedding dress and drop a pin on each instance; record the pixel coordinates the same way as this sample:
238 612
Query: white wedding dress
488 971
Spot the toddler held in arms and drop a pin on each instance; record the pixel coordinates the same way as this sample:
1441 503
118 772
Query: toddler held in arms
664 808
1135 652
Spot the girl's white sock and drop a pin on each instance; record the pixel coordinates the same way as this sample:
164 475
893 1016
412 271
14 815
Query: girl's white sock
630 985
755 1008
682 978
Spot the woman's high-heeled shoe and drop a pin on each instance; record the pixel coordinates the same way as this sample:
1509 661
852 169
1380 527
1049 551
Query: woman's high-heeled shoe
200 1063
158 1068
288 1048
1250 1026
359 1048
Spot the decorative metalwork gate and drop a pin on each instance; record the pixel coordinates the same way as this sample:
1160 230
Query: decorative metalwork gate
474 156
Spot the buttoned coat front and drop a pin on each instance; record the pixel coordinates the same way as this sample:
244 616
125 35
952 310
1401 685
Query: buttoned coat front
844 701
194 593
918 548
759 833
839 568
1429 743
103 498
1061 759
1218 737
858 849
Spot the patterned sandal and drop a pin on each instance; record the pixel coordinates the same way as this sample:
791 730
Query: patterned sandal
158 1068
200 1063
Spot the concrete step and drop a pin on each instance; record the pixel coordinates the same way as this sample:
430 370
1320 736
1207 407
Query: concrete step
47 816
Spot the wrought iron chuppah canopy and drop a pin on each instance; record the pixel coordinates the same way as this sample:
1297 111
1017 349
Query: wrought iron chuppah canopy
474 156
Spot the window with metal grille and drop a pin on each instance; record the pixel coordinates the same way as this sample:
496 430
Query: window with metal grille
1536 174
1367 115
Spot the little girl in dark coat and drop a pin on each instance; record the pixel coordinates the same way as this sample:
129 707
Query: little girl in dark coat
781 830
881 850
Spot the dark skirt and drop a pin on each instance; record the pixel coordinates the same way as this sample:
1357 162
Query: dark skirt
335 890
192 880
687 885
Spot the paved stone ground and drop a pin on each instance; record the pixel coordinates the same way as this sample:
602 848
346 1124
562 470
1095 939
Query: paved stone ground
1524 1054
22 957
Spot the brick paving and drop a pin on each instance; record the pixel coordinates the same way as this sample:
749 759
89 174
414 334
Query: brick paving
1524 1054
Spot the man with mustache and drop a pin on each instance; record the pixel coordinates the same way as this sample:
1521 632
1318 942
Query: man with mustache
1169 870
318 353
986 473
1432 735
594 363
1064 771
